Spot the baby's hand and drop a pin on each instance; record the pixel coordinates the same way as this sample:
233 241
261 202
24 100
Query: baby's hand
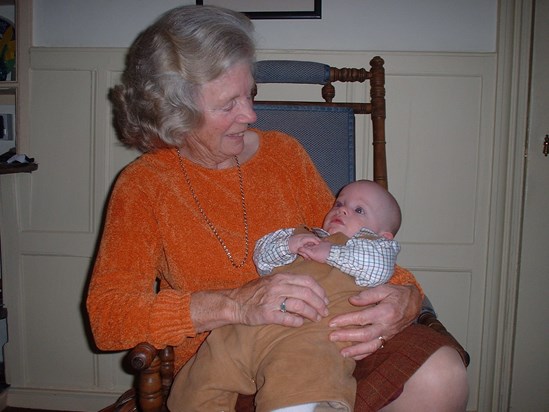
318 252
296 242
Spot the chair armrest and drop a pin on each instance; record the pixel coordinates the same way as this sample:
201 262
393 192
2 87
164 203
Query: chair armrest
155 370
142 356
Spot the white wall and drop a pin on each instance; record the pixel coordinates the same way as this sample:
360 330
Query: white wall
388 25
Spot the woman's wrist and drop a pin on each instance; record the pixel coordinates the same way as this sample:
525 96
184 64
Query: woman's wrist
212 309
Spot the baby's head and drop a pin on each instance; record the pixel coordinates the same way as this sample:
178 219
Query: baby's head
364 204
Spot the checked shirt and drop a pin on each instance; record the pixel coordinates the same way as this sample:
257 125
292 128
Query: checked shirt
367 257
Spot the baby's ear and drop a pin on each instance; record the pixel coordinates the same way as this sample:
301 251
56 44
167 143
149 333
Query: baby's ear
387 235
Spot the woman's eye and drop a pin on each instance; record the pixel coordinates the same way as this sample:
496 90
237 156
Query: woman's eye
229 106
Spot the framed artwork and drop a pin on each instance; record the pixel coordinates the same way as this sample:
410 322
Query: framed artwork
269 9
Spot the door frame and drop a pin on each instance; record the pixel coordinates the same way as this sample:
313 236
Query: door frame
515 22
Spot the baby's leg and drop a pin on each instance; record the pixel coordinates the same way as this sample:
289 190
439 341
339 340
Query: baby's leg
316 407
306 407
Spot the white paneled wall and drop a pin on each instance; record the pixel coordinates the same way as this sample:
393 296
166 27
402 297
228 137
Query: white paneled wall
440 111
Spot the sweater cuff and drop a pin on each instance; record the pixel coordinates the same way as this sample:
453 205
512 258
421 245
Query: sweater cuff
170 319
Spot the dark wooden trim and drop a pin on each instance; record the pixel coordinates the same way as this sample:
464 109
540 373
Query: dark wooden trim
316 13
19 168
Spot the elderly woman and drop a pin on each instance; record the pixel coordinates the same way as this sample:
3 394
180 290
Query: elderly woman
174 261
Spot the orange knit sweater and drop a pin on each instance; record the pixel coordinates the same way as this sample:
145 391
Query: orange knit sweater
153 230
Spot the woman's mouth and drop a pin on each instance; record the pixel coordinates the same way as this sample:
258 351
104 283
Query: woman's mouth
237 134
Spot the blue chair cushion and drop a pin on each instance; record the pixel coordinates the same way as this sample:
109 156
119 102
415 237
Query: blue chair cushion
291 71
327 133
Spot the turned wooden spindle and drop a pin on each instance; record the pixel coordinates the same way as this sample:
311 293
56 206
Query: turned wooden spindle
328 92
144 358
167 360
150 388
344 74
377 95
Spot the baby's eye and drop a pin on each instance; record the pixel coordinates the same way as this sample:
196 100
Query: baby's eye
337 203
360 211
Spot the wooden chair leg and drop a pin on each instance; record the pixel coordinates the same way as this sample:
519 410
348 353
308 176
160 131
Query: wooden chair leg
150 388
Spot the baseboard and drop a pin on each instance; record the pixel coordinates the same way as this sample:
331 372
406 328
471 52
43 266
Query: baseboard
59 400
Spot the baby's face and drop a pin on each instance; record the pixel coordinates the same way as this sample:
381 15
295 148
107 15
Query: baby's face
355 207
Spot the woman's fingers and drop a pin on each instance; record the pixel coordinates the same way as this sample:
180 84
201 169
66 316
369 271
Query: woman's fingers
303 297
302 307
391 307
387 310
261 301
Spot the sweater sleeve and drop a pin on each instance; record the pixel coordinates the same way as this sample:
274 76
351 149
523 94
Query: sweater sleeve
123 304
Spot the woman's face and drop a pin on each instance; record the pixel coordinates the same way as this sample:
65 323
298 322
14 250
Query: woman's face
226 103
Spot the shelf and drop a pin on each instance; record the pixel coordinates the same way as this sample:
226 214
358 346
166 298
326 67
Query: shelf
20 168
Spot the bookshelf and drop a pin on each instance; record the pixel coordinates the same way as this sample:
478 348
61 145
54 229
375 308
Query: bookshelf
15 41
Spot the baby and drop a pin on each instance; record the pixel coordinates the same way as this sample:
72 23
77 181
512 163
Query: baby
300 369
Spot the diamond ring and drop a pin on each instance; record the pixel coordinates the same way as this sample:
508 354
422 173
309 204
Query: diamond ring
283 306
382 340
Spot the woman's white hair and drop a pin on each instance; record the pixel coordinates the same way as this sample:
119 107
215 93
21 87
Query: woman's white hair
155 106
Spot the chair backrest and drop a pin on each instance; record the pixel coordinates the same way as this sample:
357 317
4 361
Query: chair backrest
332 151
326 129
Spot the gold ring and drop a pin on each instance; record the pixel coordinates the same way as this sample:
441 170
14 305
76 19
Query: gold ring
283 306
382 340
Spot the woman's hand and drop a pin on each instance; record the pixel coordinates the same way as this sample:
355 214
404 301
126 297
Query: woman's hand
259 302
390 308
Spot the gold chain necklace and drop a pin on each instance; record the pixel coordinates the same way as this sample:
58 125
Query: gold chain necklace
209 222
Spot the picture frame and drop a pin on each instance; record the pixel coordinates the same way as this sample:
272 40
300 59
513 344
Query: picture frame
269 9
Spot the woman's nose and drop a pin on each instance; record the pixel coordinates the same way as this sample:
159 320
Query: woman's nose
247 113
